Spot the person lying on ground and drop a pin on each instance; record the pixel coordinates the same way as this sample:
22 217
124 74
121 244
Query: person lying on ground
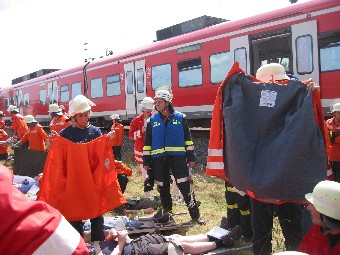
118 242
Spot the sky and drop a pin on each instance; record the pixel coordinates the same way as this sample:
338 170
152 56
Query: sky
50 34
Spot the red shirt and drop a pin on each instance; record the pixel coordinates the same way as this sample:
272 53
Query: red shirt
136 134
315 243
334 153
36 137
3 137
18 125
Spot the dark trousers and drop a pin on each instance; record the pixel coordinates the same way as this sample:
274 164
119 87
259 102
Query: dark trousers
336 170
178 165
123 180
117 152
97 228
4 156
290 218
238 210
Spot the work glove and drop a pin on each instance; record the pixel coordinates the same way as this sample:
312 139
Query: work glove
149 181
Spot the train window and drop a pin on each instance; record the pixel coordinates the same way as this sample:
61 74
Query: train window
6 103
129 83
220 64
190 72
26 99
240 55
97 88
42 96
330 57
161 76
76 89
12 100
304 54
64 93
113 85
140 80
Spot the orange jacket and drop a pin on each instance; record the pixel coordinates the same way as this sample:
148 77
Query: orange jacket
215 159
36 137
19 125
332 127
59 124
119 134
3 137
80 179
123 169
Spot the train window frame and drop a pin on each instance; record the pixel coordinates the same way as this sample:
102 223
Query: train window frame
43 95
240 55
129 82
26 99
75 89
303 67
185 67
217 69
113 84
96 87
64 93
325 58
140 80
161 76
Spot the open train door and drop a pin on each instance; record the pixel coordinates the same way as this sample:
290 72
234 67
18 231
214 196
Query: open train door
19 101
135 86
239 49
305 50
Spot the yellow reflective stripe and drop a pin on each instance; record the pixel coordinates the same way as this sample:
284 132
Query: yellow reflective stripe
175 149
233 206
147 148
230 189
187 143
153 152
244 213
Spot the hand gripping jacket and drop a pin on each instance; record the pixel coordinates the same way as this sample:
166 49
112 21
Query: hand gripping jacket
259 141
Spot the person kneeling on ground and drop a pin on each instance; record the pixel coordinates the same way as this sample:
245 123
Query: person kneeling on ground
118 242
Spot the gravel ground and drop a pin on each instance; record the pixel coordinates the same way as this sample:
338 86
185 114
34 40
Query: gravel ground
201 151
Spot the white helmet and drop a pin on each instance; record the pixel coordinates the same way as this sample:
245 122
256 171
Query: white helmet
115 117
29 119
147 103
163 93
2 113
335 107
54 108
80 104
271 72
13 108
326 198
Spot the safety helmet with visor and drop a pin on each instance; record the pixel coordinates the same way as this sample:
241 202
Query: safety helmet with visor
115 117
54 109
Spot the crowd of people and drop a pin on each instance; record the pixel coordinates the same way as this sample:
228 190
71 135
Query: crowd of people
164 151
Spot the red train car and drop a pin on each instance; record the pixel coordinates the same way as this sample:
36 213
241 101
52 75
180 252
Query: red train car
304 37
